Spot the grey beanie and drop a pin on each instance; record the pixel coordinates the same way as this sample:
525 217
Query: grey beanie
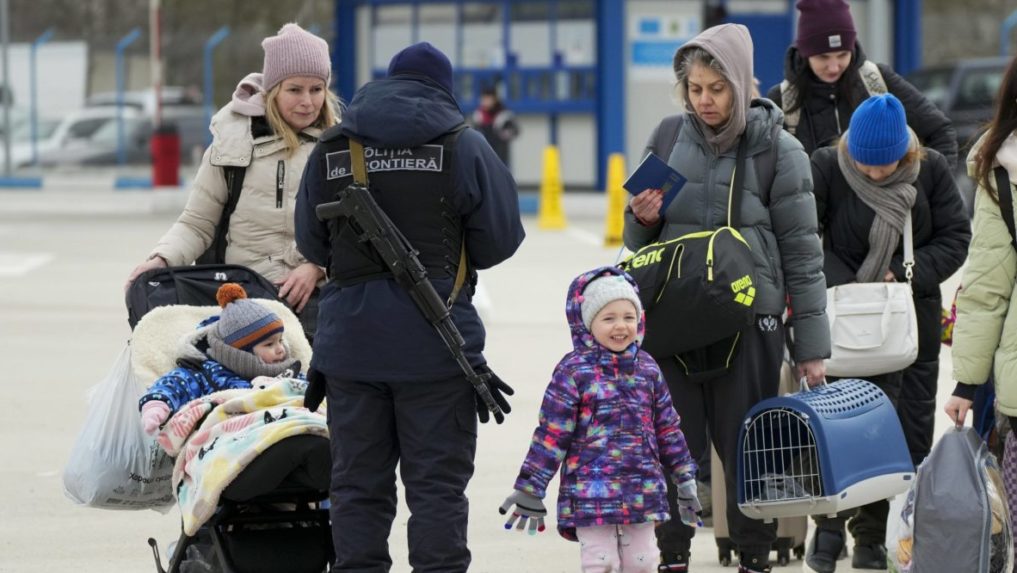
602 291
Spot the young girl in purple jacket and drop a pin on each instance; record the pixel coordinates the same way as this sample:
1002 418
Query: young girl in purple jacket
607 414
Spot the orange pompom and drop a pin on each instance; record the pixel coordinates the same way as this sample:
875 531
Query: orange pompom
228 293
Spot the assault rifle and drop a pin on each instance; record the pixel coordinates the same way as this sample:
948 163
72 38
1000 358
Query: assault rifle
372 225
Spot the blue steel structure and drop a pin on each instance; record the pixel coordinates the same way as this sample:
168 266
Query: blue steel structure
33 90
206 57
596 90
121 80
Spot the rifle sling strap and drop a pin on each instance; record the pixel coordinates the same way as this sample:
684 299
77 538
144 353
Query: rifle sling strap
360 177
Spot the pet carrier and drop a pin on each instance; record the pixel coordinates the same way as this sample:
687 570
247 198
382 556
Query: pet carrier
821 451
791 532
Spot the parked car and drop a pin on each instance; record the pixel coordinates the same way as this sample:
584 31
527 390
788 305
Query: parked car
966 91
144 100
69 132
101 148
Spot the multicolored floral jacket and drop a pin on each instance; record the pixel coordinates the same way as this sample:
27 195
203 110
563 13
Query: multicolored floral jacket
609 417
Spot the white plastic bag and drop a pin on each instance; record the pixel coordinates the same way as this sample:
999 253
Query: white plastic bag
900 532
114 464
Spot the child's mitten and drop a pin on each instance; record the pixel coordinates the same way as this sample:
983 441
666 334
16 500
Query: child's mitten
528 507
689 508
153 414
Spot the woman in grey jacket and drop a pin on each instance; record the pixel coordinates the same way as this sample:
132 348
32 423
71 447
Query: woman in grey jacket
714 78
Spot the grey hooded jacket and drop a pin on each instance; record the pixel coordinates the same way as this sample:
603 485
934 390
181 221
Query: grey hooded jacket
780 226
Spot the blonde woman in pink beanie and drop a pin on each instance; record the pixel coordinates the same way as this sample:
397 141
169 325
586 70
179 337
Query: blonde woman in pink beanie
266 131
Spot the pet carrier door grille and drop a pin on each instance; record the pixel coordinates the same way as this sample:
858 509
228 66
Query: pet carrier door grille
780 459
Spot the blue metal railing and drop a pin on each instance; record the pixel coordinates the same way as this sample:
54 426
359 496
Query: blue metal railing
121 87
214 40
34 92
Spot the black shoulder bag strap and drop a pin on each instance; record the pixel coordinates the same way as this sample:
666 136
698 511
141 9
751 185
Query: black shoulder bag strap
736 191
216 253
360 177
1005 192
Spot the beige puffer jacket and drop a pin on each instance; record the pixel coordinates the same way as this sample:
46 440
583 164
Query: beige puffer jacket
985 336
261 228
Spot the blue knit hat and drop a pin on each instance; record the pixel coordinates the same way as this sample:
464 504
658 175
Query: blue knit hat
423 59
878 133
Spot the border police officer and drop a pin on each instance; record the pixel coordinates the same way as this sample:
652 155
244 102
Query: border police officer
395 393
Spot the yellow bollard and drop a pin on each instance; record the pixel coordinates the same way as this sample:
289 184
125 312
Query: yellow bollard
550 214
616 199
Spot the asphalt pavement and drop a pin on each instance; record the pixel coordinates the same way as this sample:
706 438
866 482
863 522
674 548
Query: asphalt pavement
64 256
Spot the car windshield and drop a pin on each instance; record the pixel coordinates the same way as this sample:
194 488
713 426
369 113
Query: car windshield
978 88
107 134
935 84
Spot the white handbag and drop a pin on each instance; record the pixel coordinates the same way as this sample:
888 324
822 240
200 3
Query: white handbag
873 326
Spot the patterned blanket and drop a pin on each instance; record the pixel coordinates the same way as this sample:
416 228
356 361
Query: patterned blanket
216 436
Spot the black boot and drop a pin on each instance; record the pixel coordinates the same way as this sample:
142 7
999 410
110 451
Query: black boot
869 556
673 563
825 547
754 564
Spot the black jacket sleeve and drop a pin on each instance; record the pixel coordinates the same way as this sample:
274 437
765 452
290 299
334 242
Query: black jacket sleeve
934 129
938 259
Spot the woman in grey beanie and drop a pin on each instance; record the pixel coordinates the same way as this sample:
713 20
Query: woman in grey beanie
266 132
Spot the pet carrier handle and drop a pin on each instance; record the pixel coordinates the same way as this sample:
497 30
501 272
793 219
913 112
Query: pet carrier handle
804 383
884 320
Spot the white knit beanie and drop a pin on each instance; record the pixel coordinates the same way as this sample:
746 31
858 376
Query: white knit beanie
294 52
602 291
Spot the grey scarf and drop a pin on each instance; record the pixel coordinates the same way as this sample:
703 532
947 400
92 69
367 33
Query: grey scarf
891 199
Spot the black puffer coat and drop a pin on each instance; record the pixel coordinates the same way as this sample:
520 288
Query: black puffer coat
941 235
826 113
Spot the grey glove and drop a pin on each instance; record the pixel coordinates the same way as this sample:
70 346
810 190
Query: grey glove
528 507
689 508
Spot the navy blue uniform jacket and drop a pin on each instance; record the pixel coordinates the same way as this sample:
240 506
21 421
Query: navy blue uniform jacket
372 331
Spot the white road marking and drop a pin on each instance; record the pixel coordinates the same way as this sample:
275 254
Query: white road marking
19 264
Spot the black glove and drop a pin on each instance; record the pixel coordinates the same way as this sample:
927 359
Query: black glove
315 392
497 388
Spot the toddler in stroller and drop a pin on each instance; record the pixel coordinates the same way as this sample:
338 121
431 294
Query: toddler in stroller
251 464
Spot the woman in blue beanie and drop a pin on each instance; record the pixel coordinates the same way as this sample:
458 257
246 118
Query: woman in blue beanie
865 186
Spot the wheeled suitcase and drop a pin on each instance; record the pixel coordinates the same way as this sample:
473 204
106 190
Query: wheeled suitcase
791 531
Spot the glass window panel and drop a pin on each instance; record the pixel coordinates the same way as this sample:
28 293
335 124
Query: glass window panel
438 26
575 10
482 36
393 31
577 42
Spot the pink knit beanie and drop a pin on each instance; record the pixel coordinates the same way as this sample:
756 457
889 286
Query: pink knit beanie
294 52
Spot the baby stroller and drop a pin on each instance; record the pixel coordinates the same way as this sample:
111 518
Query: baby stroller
273 515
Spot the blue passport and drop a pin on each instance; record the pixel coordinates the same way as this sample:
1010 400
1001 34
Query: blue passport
655 173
